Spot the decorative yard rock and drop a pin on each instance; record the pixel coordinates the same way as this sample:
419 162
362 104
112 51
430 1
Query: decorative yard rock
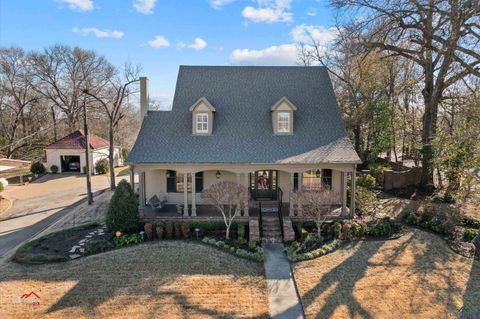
75 256
73 249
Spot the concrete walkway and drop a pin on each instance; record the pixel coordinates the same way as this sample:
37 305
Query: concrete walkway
283 299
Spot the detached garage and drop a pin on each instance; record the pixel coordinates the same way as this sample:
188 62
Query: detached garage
68 153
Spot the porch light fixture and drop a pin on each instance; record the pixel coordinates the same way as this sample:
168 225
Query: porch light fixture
317 173
218 174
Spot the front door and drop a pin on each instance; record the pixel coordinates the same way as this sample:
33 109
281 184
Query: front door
263 184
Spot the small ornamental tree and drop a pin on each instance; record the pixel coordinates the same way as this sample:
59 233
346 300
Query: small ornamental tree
316 203
229 198
122 213
37 168
101 166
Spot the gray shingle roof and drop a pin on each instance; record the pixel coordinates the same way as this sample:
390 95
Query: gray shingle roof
242 127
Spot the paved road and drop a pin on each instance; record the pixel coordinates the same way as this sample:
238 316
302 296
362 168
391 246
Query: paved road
38 205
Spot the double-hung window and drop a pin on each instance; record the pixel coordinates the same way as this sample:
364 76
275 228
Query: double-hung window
283 122
202 123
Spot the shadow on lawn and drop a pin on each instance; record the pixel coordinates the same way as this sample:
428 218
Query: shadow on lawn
144 276
419 256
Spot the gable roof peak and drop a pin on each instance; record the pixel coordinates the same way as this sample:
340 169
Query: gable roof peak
282 100
204 101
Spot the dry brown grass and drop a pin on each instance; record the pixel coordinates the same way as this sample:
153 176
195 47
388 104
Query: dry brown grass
162 280
415 276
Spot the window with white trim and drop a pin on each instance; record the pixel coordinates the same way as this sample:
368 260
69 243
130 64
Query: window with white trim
202 122
283 122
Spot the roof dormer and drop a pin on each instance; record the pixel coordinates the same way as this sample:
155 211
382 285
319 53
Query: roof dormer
202 117
282 116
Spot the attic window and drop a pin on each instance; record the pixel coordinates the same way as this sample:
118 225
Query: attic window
202 122
283 116
283 122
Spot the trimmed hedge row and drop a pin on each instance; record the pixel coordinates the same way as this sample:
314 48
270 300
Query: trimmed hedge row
325 249
255 256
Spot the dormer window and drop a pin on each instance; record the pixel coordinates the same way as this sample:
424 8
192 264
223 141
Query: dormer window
202 117
202 123
282 116
283 124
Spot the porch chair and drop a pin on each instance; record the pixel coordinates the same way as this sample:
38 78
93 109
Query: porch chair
155 202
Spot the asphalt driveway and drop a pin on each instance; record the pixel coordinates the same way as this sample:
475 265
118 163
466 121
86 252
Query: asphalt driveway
37 205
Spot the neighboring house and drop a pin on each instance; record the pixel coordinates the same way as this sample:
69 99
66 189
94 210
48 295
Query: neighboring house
68 153
8 163
272 129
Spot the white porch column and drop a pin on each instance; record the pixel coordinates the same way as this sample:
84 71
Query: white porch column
291 211
343 192
300 182
132 177
194 195
185 194
141 192
352 196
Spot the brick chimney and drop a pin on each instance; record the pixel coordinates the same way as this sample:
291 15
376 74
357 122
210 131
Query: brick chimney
143 97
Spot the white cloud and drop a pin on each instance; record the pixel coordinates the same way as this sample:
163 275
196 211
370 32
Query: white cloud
285 54
312 12
99 33
305 33
159 41
198 44
218 4
79 5
144 6
269 11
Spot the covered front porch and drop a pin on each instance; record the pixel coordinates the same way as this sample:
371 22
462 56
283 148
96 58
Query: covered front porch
180 187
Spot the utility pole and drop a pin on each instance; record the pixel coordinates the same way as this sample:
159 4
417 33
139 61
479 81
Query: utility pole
87 155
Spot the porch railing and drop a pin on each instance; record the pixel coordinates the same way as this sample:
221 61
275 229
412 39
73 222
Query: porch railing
280 215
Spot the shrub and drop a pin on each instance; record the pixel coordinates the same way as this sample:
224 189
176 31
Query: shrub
54 169
122 213
168 230
101 166
365 199
337 229
469 234
366 180
128 239
148 228
440 218
241 233
209 225
1 187
98 246
443 199
252 244
384 227
185 229
412 219
160 231
471 222
177 230
37 168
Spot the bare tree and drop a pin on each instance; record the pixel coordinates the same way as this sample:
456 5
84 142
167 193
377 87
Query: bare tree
441 36
229 198
316 203
60 74
17 97
112 93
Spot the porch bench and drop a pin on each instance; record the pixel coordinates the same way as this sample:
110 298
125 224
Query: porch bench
156 202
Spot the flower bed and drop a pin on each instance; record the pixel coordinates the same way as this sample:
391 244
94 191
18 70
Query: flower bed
458 231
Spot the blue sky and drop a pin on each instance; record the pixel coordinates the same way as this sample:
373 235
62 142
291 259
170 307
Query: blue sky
163 34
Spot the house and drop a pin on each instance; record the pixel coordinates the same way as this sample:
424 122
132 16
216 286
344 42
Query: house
68 153
272 129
